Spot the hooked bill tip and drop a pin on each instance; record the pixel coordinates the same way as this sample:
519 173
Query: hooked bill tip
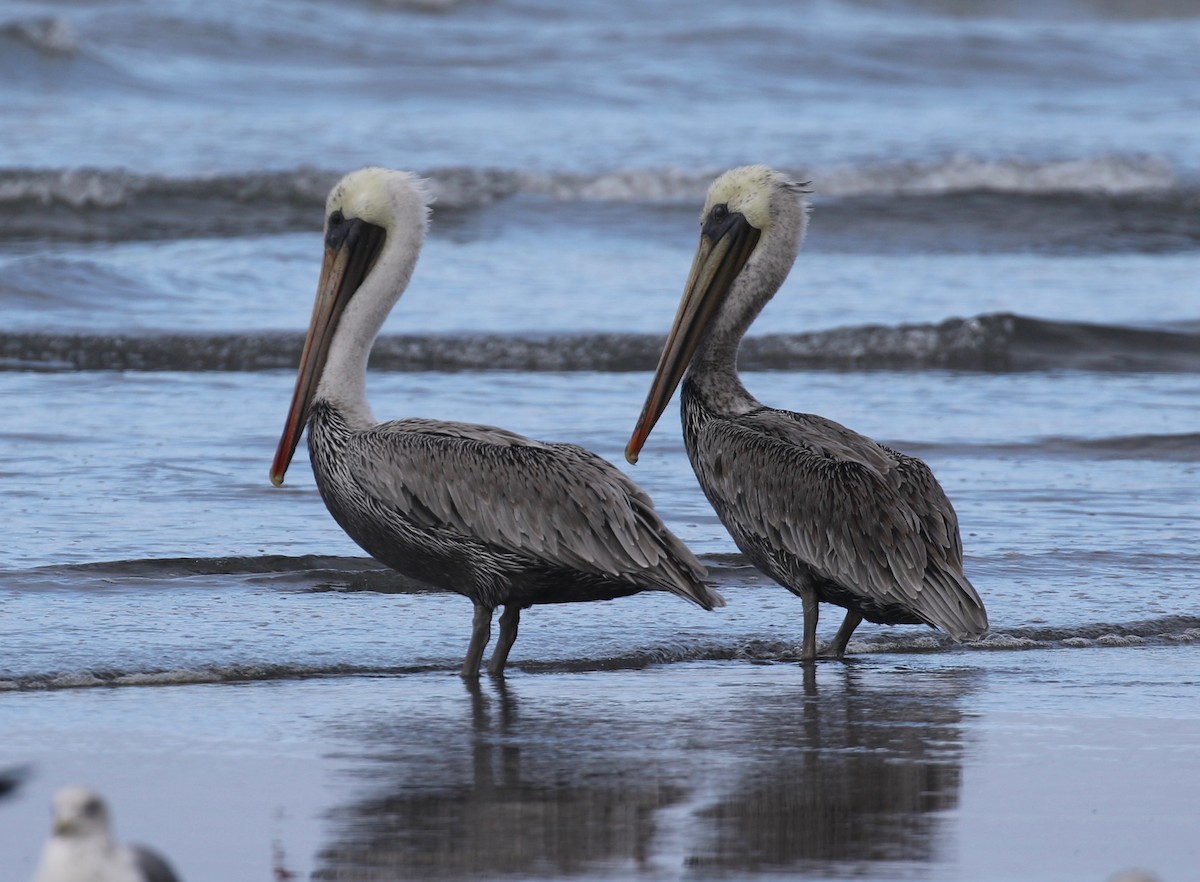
276 478
631 455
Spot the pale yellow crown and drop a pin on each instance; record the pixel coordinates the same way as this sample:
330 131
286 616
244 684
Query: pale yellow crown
748 190
378 195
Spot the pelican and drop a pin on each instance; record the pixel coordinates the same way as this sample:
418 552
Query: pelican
500 518
828 513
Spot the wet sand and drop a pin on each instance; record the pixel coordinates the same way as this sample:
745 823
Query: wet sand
1035 765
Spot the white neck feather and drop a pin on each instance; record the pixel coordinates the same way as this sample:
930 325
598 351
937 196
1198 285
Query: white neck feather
344 380
714 366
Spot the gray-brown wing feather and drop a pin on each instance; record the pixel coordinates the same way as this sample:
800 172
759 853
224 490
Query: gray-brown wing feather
556 503
960 602
857 513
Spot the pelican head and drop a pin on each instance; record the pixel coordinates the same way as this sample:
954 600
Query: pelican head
79 813
750 233
375 221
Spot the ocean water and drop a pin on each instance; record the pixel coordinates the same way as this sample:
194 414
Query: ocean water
1001 277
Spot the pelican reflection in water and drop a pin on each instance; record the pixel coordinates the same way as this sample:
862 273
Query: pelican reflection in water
777 775
828 513
503 519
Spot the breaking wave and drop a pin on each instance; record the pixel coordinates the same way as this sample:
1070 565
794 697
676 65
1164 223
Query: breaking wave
993 342
302 573
1132 202
1165 631
92 678
50 35
337 573
1179 447
1110 175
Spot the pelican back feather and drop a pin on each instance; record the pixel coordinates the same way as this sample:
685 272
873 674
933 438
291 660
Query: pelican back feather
557 504
815 501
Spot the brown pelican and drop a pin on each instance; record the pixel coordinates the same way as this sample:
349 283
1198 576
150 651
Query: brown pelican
81 848
828 513
503 519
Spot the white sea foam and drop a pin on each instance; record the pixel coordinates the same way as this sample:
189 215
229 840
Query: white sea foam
1110 174
624 185
51 34
1120 640
76 188
466 188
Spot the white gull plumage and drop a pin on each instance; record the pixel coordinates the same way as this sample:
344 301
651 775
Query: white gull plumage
81 847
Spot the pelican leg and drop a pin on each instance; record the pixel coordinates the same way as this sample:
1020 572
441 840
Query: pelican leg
509 619
808 597
837 648
481 633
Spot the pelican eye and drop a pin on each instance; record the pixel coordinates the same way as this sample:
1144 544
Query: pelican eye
719 212
92 807
334 232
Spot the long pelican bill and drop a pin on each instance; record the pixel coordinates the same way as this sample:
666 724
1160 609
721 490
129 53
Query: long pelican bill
726 243
350 251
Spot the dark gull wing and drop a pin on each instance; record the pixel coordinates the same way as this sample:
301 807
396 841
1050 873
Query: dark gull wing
151 866
12 779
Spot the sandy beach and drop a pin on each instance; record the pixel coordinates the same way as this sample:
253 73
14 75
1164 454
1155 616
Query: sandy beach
884 767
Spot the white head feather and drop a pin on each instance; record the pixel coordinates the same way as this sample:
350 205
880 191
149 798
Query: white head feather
764 196
382 196
775 206
398 202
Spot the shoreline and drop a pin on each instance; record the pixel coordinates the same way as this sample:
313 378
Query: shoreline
915 766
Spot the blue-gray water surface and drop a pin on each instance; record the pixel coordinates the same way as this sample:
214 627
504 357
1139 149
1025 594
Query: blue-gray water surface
1000 277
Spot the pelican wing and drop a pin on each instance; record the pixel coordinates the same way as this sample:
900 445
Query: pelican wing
558 503
859 514
916 484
